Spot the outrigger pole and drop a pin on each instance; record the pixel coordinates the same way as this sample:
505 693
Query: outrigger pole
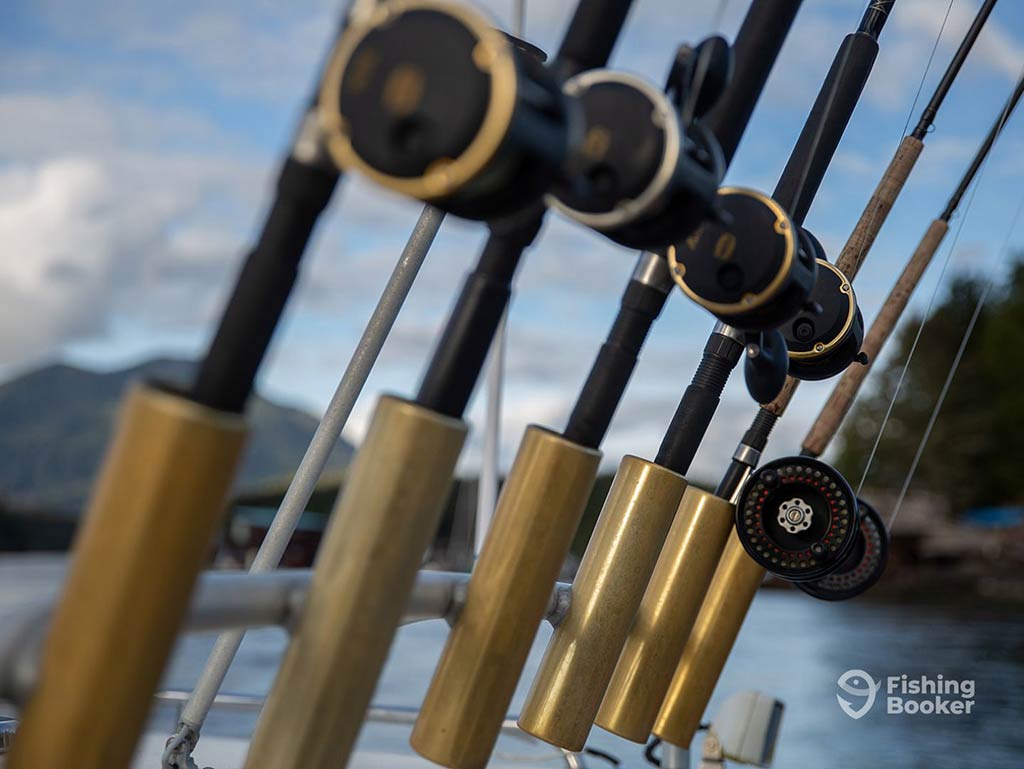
158 502
738 576
544 495
390 507
601 664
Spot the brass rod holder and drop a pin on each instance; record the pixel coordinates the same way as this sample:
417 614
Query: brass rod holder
364 573
714 633
148 529
606 593
666 614
537 514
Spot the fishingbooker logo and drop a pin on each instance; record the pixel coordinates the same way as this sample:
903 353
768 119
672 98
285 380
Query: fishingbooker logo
860 684
906 695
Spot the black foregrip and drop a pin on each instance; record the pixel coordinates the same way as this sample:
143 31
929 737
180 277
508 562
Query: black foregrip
591 36
462 350
825 124
698 405
755 50
760 429
613 367
227 373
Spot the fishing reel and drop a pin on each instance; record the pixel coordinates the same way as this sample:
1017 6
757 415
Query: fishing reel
797 518
643 176
427 98
826 337
863 567
753 273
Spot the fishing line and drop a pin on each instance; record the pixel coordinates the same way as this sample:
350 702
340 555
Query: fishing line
956 361
928 310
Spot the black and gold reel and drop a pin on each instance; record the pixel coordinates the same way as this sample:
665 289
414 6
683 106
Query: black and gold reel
864 565
797 517
826 338
483 148
641 178
753 273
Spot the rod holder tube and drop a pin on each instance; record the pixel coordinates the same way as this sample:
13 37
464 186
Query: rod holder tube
148 530
536 517
838 405
364 572
666 614
563 702
735 583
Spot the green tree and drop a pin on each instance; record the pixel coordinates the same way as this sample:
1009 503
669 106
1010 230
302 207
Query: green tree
976 454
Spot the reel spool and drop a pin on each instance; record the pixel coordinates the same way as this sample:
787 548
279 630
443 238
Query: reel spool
484 149
753 273
642 178
864 565
797 517
824 340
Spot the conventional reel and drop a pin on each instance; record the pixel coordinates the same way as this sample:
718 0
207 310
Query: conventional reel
486 148
645 176
826 337
752 269
797 517
862 567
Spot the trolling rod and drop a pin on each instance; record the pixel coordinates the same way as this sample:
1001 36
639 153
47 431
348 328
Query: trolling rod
165 480
739 575
552 476
695 527
400 477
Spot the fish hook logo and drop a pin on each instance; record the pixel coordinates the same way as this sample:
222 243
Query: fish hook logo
860 684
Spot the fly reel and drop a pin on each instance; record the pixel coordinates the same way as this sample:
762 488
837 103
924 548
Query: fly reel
797 517
864 565
753 273
643 179
388 108
825 339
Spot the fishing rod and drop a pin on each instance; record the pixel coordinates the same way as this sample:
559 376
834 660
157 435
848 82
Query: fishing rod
739 575
550 481
673 598
647 632
389 509
165 479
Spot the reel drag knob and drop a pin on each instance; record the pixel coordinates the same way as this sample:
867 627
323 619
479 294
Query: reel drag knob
428 99
797 517
863 567
752 273
639 177
825 340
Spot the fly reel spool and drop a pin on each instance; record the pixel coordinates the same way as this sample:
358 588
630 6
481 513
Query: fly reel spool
483 149
642 178
752 273
797 517
863 567
825 339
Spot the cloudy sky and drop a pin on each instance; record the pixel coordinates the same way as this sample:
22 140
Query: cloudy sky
138 145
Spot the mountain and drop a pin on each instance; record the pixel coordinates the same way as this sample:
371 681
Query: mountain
55 423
